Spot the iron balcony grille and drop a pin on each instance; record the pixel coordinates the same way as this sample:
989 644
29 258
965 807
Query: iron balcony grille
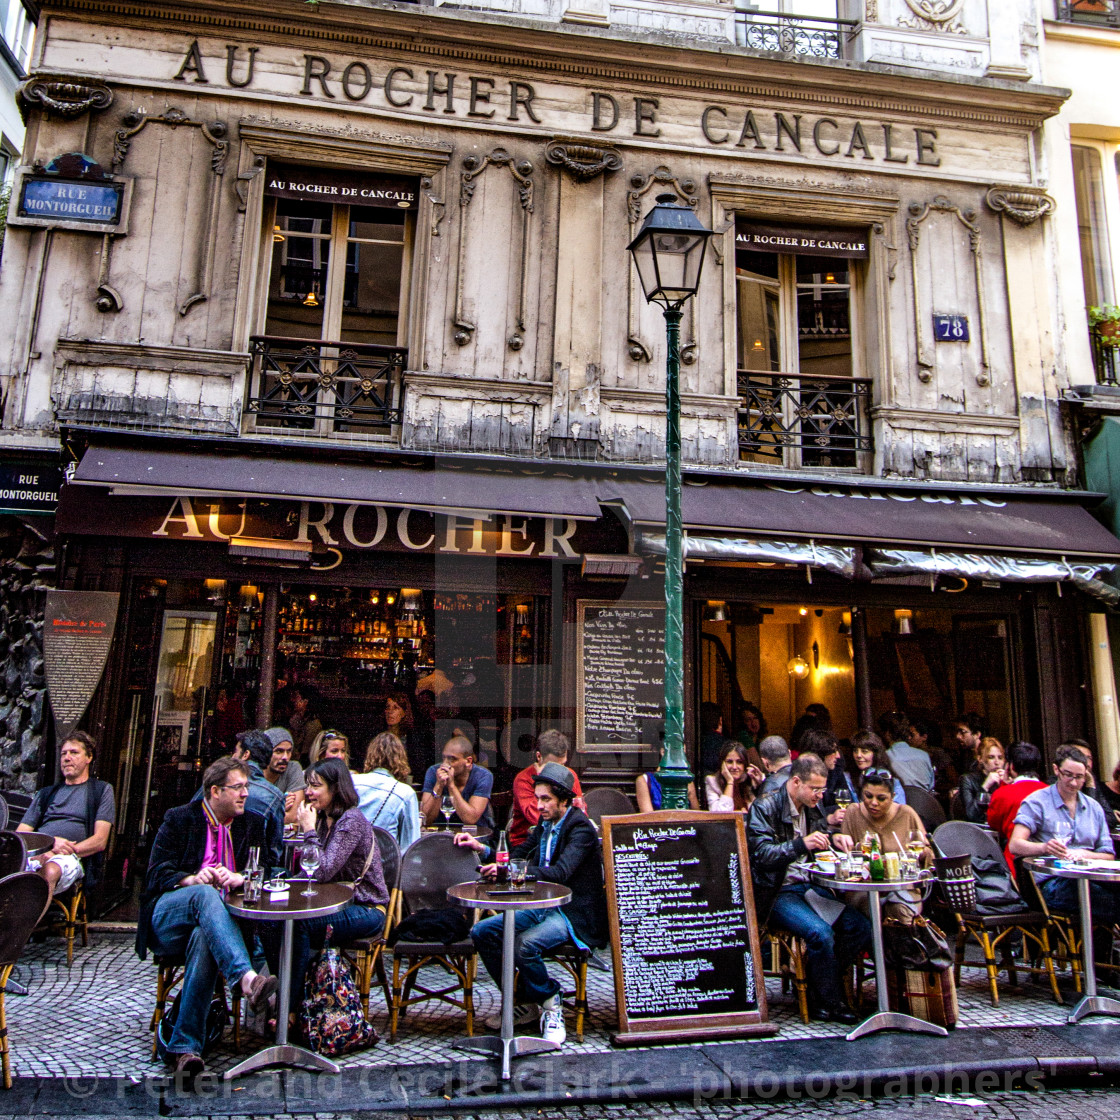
810 36
1106 359
1104 13
325 387
825 418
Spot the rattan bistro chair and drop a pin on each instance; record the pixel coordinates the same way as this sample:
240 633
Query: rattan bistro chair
366 953
169 971
994 931
787 962
428 868
24 898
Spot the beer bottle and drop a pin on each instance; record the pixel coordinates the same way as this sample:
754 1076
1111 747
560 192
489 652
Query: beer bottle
501 858
878 869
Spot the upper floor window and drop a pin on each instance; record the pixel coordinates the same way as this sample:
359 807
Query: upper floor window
335 323
817 28
1106 12
1092 225
802 401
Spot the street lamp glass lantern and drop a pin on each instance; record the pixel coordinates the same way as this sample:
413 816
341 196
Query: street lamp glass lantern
669 252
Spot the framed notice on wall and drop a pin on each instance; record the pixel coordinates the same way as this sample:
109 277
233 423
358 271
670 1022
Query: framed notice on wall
687 961
620 675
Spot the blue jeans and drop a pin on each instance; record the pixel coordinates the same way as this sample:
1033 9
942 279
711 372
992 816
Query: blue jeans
831 949
1104 902
537 932
194 922
351 922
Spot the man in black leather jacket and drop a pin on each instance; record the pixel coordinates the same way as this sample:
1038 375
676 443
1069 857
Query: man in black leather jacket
785 827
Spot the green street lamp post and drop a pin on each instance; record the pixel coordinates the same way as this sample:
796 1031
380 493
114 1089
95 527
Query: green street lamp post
668 253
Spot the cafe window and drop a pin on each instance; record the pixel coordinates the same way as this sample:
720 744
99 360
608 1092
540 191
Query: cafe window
803 403
332 351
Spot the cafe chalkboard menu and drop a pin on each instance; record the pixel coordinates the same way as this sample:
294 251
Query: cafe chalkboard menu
687 962
621 687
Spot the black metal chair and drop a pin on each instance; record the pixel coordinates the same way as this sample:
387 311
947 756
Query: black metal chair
428 868
24 898
606 802
992 931
926 806
13 855
3 814
366 953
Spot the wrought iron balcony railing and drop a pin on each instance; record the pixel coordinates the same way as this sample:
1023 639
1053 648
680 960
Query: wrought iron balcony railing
1106 358
325 388
1105 13
810 36
804 419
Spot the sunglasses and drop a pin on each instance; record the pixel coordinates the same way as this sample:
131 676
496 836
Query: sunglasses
877 773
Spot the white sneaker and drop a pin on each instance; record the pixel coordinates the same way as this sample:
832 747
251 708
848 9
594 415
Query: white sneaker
523 1014
552 1024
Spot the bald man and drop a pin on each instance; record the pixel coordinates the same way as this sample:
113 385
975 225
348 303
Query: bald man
458 776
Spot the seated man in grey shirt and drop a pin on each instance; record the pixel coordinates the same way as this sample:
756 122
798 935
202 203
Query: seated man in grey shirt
78 812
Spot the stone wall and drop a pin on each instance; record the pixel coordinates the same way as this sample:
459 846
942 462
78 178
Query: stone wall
27 572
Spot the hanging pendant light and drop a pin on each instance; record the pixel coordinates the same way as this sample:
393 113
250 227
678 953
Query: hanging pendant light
278 237
311 299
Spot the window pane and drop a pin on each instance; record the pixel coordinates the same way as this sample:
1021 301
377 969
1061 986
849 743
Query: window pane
297 285
371 301
1088 190
758 324
824 329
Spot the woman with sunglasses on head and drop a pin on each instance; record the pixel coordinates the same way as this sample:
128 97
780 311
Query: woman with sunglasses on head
328 744
869 752
895 825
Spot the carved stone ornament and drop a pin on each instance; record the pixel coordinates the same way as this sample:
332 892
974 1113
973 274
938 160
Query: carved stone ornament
583 162
934 15
1022 207
68 98
871 11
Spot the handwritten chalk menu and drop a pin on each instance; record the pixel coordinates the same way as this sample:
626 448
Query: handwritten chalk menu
621 665
687 961
77 633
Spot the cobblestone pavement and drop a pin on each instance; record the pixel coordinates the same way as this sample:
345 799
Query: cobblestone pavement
1058 1104
104 1002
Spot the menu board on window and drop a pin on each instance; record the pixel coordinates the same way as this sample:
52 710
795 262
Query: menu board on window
620 687
687 961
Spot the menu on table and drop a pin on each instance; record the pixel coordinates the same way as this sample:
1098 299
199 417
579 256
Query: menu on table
687 961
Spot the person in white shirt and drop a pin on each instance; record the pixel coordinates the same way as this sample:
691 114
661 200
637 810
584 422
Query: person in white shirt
911 765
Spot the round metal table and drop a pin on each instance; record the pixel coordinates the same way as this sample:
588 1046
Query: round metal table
537 896
884 1019
329 898
1101 871
35 843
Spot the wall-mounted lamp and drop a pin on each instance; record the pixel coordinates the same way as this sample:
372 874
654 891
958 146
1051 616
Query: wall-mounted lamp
715 611
798 668
803 611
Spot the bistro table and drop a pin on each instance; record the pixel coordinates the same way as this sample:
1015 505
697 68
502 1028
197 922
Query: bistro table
884 1019
1098 872
35 843
328 898
491 896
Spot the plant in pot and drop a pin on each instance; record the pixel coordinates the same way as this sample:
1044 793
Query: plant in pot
1105 321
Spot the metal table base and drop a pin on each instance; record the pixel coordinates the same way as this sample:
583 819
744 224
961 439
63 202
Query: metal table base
1091 1003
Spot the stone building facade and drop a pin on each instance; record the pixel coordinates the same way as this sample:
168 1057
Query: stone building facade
312 274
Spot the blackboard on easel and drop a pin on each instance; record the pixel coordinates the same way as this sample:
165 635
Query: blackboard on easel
620 686
687 959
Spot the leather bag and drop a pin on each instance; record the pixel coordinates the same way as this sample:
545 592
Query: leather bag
918 947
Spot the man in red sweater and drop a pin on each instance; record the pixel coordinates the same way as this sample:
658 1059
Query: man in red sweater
1024 764
552 746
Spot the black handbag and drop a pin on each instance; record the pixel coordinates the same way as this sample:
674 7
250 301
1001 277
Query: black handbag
919 946
995 892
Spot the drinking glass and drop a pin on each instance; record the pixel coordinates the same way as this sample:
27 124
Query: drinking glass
518 869
1063 831
843 798
309 861
915 843
447 807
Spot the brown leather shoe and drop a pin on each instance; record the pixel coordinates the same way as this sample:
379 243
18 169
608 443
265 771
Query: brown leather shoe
188 1067
260 991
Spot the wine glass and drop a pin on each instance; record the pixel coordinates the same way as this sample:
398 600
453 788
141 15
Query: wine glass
447 807
843 798
309 861
1063 830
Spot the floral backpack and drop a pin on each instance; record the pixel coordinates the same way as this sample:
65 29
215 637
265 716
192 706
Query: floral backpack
332 1005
